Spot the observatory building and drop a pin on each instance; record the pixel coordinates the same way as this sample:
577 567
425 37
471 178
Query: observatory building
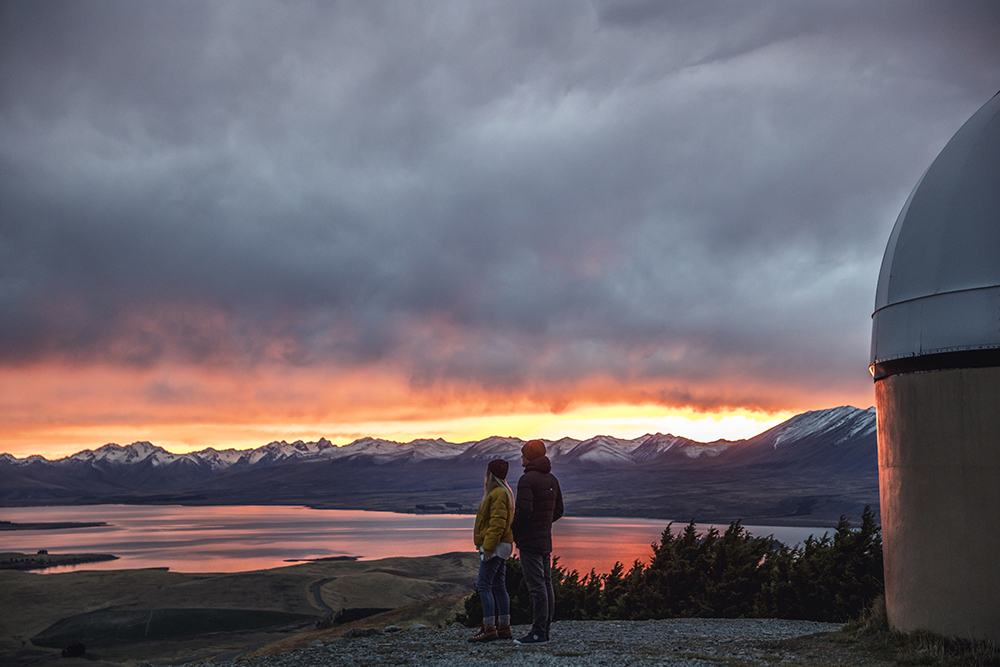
936 363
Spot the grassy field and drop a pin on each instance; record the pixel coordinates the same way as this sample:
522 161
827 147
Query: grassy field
127 616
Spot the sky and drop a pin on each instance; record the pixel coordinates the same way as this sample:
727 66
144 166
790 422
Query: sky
225 223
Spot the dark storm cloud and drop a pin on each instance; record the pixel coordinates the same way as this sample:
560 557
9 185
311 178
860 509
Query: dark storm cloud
635 189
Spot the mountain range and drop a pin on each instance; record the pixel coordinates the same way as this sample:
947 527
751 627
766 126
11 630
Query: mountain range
807 470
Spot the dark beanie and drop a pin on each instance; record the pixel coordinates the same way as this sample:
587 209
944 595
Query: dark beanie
499 468
533 449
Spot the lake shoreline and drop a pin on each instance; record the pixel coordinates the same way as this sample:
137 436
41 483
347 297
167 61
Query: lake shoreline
790 520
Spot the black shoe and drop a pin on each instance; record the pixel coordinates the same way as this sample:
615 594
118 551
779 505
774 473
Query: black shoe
532 638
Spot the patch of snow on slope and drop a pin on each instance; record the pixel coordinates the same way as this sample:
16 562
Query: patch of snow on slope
602 449
818 421
217 459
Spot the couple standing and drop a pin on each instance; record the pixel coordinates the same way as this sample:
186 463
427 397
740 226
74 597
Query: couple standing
526 520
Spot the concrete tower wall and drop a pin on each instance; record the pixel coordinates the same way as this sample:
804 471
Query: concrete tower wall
936 364
939 480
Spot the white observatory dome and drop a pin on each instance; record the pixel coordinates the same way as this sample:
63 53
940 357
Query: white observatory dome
937 304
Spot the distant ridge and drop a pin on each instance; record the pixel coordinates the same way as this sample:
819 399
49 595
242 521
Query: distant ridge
812 465
599 449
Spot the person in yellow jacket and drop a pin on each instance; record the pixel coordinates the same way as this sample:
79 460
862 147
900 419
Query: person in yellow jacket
495 543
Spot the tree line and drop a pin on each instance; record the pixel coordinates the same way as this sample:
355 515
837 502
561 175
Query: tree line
729 575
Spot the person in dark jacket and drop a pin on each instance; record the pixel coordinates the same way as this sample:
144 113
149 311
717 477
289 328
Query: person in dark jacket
538 503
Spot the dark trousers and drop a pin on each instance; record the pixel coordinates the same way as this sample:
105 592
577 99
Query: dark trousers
537 568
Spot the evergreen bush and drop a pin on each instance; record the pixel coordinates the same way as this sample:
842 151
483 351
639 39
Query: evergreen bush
732 575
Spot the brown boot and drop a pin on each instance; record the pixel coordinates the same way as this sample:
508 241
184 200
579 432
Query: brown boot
503 631
487 633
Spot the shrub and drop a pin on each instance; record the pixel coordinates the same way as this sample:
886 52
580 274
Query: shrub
732 575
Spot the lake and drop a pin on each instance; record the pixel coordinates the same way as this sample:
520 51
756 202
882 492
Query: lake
244 538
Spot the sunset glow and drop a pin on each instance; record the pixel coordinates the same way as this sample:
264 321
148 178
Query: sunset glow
189 410
433 220
619 421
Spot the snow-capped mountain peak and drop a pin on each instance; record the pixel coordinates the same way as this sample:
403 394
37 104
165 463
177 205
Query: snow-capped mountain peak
493 447
137 452
217 459
853 421
601 449
12 460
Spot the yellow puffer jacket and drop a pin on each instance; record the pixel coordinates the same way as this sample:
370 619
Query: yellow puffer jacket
493 521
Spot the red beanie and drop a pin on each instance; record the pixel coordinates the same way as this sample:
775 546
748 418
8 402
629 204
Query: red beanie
533 449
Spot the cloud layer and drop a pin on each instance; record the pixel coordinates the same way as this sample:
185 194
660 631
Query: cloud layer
677 203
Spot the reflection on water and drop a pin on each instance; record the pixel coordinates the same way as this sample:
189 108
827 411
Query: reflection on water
242 538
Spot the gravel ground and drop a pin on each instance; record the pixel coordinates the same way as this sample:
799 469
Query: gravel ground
688 642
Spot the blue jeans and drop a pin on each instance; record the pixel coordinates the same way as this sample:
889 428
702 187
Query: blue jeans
492 587
537 569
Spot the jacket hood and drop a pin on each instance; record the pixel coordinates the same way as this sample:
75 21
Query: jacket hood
541 464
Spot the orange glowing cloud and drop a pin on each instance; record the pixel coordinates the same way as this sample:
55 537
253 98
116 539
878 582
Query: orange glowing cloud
55 409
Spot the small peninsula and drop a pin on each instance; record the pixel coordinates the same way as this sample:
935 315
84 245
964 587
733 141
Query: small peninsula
50 525
12 560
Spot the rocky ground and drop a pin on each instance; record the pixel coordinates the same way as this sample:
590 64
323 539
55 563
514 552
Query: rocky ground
688 642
